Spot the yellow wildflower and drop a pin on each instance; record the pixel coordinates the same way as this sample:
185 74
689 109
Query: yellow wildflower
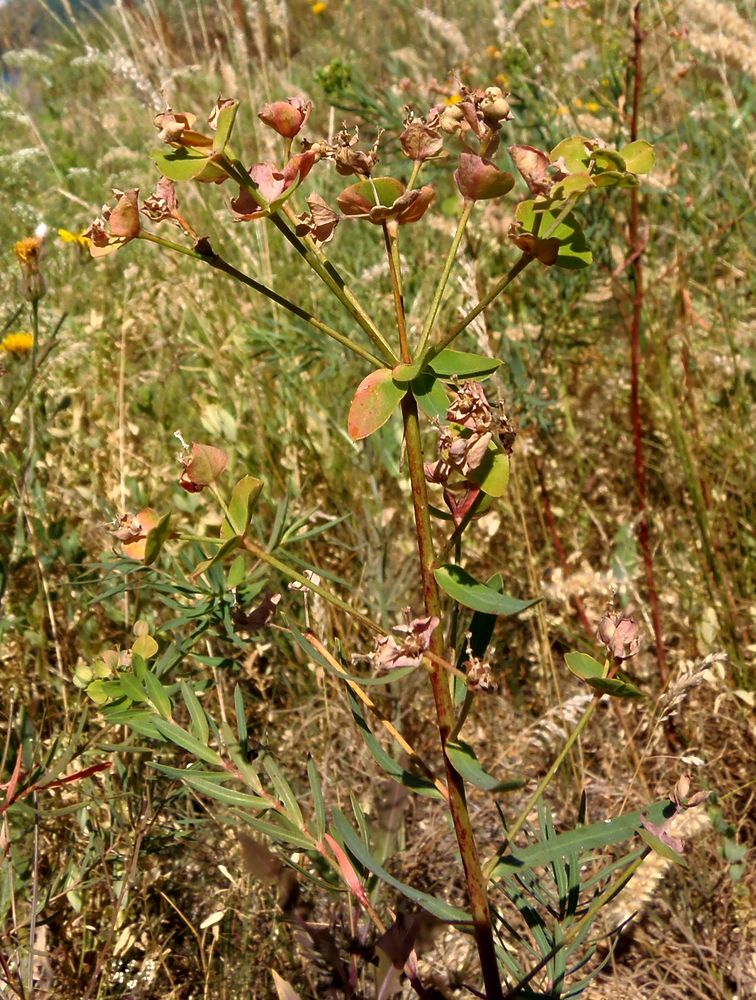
319 8
492 52
17 343
593 106
453 99
562 110
78 238
578 102
28 251
547 22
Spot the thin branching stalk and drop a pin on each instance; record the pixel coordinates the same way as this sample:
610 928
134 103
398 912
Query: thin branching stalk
220 264
319 264
486 301
391 238
430 319
264 556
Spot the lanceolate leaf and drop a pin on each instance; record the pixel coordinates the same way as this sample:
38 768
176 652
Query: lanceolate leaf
466 590
284 990
375 400
448 364
415 782
597 836
186 741
438 907
464 762
223 550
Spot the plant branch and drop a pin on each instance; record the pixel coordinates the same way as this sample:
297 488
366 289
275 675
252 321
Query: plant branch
305 248
486 301
430 319
217 262
264 556
391 238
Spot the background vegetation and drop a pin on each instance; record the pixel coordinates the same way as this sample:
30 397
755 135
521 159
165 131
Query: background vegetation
125 866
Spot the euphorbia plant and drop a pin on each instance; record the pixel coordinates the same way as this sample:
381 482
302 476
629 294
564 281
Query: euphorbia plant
464 448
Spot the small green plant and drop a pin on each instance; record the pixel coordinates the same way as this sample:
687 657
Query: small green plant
456 442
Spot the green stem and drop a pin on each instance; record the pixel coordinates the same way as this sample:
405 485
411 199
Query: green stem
416 168
391 237
486 301
543 785
264 556
222 265
430 319
319 264
476 886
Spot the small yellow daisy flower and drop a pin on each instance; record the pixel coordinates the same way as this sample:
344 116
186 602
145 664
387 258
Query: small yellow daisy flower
17 343
453 99
319 8
27 251
547 22
78 238
592 106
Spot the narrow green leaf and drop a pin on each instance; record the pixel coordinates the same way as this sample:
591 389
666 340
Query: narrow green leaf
200 728
228 546
230 796
156 538
279 831
438 907
157 694
131 687
241 716
466 590
186 741
597 836
658 846
417 783
317 798
236 573
583 665
464 762
448 364
284 791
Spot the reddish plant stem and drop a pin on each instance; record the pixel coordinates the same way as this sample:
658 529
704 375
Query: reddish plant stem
636 278
476 883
